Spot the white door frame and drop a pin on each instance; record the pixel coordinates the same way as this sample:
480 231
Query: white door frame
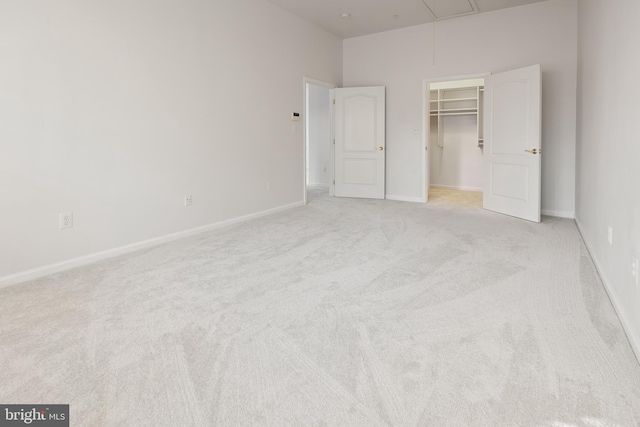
305 141
426 123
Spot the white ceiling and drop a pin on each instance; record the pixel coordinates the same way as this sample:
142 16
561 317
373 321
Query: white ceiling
374 16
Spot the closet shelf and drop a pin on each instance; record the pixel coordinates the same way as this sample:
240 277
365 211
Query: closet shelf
473 98
463 98
445 111
454 114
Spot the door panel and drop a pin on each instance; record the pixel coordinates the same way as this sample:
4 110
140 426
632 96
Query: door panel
511 105
510 181
512 134
360 171
359 123
360 142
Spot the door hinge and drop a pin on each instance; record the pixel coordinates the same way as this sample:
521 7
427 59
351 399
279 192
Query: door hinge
334 142
334 101
334 182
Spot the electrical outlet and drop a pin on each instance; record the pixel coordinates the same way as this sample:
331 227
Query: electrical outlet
269 186
417 131
65 220
610 235
634 268
188 200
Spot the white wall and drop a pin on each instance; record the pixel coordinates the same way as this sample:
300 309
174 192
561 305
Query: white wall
319 136
608 152
544 33
458 162
116 109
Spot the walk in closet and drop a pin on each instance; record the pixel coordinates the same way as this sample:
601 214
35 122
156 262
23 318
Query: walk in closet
455 138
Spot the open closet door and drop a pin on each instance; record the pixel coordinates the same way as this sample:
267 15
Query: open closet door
512 117
360 142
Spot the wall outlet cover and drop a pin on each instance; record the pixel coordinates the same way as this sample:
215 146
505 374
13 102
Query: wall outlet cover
65 220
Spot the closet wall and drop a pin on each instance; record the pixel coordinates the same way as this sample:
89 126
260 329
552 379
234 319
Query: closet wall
458 163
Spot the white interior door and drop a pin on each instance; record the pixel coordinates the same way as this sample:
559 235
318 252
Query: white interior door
360 142
512 111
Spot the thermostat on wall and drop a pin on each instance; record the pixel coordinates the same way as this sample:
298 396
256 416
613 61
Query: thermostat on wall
295 117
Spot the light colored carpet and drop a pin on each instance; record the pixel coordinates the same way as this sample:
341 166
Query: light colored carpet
342 312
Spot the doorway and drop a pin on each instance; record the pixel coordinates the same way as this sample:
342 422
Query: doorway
454 135
318 163
508 113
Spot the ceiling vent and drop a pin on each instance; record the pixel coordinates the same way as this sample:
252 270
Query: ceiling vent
446 9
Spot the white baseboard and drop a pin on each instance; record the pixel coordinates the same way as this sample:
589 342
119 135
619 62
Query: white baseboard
318 184
404 198
633 337
46 270
559 214
454 187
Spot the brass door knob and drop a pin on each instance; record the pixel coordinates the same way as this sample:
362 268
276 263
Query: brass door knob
380 148
534 151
